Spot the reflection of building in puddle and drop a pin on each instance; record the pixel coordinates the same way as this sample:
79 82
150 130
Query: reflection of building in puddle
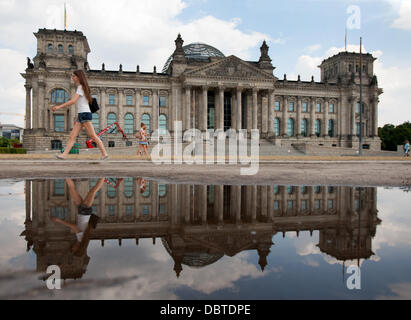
199 224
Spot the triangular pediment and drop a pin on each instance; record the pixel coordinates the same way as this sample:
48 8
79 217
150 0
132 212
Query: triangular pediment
230 67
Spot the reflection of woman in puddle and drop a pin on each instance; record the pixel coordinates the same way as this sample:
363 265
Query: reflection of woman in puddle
143 184
86 220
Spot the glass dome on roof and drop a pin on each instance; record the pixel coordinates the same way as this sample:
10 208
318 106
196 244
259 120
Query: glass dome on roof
197 51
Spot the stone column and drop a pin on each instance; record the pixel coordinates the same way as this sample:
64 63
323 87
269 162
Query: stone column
155 110
27 192
264 200
121 108
270 202
264 114
239 109
285 116
41 106
187 109
353 105
138 110
103 110
28 106
203 203
271 99
325 126
220 106
375 118
255 109
219 201
237 190
35 107
312 117
204 110
299 107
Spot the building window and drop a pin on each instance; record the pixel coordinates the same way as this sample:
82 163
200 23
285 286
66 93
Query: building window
146 193
111 144
111 99
128 123
276 205
290 127
318 107
59 96
210 191
145 210
317 189
305 107
317 204
277 126
357 108
276 189
357 129
162 209
128 187
330 189
111 191
162 101
111 210
304 127
303 189
291 107
129 100
330 204
56 145
277 106
317 127
58 189
304 205
146 120
331 108
146 100
92 183
290 204
111 119
70 49
350 69
60 48
331 128
129 210
162 124
290 189
96 122
59 120
162 190
50 47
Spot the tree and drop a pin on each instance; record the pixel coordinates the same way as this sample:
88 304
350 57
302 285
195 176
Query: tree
391 136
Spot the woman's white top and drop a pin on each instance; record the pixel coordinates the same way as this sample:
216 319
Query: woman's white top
82 102
82 223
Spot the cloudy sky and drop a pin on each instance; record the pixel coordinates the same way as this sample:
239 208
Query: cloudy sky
300 34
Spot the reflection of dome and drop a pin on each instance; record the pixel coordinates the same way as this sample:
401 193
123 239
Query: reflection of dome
197 51
195 258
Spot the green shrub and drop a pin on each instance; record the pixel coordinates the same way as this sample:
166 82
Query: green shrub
12 151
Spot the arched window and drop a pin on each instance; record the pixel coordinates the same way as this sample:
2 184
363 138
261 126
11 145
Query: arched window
59 96
290 127
128 187
290 189
129 123
331 128
145 118
60 48
50 47
304 126
96 122
111 118
277 126
111 192
317 127
162 124
162 190
70 49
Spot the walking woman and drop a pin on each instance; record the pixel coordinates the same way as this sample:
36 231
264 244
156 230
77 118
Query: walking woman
82 99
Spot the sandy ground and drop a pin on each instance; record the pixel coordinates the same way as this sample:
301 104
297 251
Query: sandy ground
367 171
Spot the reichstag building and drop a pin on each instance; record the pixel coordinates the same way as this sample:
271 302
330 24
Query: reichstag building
205 89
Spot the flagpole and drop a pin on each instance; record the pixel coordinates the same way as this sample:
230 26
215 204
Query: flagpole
361 133
65 17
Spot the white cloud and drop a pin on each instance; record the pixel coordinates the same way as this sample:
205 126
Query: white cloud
403 21
401 291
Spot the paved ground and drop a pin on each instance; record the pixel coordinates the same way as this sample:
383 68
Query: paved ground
366 171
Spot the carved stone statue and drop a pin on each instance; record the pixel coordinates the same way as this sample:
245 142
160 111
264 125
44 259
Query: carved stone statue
30 65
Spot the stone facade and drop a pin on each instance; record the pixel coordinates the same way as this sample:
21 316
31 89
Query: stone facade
205 90
199 224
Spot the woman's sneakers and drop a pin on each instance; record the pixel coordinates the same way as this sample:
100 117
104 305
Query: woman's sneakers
60 157
104 157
